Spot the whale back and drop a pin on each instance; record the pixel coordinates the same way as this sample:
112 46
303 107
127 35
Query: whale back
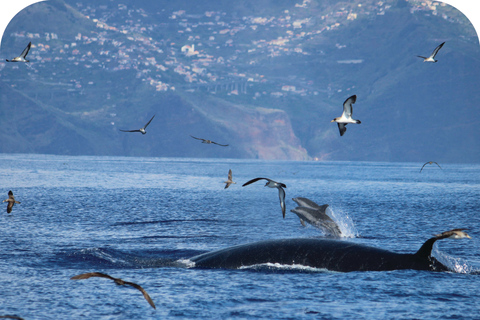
334 255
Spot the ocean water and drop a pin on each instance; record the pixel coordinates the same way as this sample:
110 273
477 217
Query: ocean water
130 217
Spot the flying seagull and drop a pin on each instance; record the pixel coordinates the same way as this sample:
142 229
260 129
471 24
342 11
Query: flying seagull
229 180
209 141
453 234
430 162
117 281
142 130
273 184
434 53
11 201
22 56
346 117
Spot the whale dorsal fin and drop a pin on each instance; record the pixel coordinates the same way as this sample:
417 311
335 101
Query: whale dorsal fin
425 250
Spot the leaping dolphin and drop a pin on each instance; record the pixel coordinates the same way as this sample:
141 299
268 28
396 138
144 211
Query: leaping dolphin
333 255
314 214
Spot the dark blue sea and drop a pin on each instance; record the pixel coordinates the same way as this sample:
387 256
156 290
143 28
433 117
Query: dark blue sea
128 217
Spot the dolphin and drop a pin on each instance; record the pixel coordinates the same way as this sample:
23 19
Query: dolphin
330 254
314 214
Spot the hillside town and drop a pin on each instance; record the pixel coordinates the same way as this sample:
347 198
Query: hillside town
211 51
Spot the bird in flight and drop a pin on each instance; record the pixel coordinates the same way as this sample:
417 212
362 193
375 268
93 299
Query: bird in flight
346 117
209 141
142 130
11 201
229 180
22 56
273 184
117 281
429 162
431 58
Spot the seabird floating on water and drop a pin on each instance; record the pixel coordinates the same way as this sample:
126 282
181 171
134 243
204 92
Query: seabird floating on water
117 281
21 57
11 201
453 234
430 162
431 58
142 130
209 141
229 180
273 184
346 117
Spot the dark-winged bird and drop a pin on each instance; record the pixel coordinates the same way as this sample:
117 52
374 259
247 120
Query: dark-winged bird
273 184
22 56
346 117
117 281
142 130
11 201
431 58
430 162
209 141
453 234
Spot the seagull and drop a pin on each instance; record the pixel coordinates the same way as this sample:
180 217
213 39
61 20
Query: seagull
22 56
209 141
273 184
11 201
430 162
346 117
434 53
117 281
229 180
142 130
453 234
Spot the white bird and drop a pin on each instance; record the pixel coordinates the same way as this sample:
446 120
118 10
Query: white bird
346 117
142 130
431 58
22 56
229 180
273 184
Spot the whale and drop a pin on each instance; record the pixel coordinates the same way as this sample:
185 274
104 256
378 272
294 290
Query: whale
330 254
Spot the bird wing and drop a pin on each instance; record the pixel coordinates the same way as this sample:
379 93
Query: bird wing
424 165
422 57
197 138
437 164
145 294
227 184
254 180
223 145
281 195
148 122
10 195
347 106
230 174
342 128
434 53
25 51
92 274
129 130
